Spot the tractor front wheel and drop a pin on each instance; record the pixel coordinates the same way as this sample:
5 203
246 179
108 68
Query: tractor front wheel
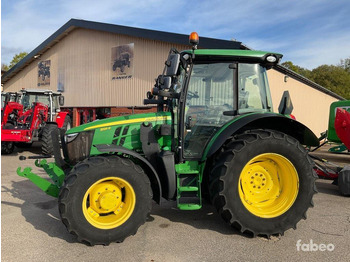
8 146
105 199
262 182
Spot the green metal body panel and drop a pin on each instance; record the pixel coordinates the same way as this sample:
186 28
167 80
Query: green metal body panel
125 130
332 135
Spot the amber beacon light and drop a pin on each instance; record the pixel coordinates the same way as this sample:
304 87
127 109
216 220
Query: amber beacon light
194 39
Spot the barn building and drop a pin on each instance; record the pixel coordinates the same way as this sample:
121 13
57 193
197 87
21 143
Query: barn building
110 68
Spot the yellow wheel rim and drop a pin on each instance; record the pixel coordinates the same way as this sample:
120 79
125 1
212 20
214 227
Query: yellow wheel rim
268 185
109 202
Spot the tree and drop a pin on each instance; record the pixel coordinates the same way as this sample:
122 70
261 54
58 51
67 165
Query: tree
17 58
345 63
4 67
334 78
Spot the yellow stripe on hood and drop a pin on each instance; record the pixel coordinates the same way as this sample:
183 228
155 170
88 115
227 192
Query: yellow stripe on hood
132 121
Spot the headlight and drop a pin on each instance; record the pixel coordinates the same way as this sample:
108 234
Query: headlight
271 59
70 137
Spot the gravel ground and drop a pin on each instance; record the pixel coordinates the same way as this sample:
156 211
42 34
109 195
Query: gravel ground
32 231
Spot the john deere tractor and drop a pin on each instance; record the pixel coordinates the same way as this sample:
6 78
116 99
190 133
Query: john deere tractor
214 136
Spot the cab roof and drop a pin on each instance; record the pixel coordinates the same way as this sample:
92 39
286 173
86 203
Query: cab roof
40 91
233 54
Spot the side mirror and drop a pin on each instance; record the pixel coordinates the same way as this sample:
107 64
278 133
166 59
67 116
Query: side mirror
286 106
61 100
165 82
172 64
164 88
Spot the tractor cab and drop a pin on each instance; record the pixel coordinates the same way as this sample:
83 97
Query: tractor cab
8 97
206 89
53 100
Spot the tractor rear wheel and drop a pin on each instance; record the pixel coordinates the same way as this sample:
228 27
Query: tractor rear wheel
262 182
47 145
105 199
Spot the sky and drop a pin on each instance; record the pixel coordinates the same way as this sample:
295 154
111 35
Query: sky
308 33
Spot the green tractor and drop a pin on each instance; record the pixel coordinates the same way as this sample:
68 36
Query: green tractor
214 136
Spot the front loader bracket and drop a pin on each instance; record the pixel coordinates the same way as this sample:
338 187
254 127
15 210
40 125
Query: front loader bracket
55 173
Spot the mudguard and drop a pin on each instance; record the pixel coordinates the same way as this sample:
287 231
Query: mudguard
271 121
61 116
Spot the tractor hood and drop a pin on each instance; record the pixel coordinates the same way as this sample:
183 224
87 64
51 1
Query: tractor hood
123 131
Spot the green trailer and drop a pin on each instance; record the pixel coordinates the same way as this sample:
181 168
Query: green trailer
338 132
332 134
214 136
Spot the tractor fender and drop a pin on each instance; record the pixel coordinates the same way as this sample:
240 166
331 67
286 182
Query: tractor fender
270 121
61 116
149 169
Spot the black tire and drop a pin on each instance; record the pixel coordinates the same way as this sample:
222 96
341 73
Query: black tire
227 186
83 179
46 139
7 148
344 181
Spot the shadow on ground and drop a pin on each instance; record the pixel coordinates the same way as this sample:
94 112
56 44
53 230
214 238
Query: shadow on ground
34 149
41 211
38 209
205 218
326 187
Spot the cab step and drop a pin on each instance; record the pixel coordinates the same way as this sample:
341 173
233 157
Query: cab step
188 187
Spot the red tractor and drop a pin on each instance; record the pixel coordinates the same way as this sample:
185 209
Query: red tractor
32 119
